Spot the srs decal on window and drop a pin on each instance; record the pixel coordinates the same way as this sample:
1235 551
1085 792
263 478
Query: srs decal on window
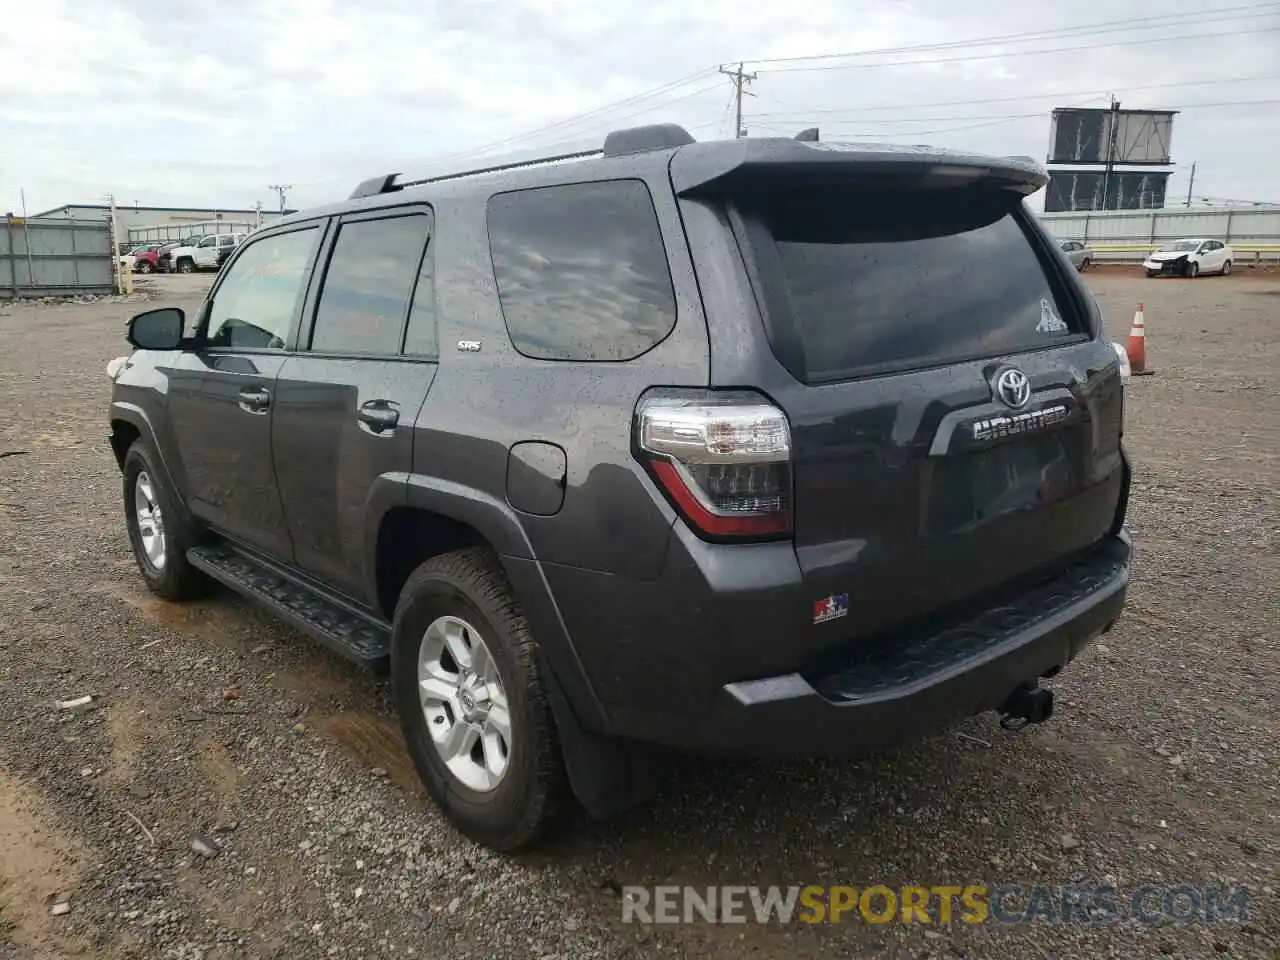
1050 322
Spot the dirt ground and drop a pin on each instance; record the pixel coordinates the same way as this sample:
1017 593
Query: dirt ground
1162 765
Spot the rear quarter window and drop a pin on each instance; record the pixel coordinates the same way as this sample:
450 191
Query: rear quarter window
581 270
871 282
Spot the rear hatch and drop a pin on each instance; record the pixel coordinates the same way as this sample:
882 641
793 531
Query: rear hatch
955 422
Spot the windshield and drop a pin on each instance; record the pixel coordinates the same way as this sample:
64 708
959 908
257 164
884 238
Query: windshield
879 280
1182 246
137 250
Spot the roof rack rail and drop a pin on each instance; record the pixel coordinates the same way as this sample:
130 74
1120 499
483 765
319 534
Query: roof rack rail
375 185
808 135
658 136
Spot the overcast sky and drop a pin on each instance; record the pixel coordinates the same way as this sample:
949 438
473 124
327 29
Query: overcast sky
207 104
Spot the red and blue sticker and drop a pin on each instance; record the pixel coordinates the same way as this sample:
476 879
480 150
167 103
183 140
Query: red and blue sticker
831 608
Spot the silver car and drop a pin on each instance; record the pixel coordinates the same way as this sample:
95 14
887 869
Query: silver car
1078 253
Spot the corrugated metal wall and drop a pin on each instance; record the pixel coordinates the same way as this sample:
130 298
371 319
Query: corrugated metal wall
48 258
1250 232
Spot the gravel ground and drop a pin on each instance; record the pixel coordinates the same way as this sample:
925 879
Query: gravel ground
235 791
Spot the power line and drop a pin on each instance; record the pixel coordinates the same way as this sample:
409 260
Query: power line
801 117
1034 96
1018 53
996 121
1106 26
577 118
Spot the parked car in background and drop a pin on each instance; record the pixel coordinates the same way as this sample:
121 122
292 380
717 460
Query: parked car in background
226 249
1080 254
1190 258
163 255
144 258
204 254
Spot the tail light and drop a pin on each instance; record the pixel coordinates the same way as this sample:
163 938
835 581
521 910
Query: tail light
724 461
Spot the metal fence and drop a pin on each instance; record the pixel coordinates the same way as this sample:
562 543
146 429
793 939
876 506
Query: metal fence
55 258
1253 234
181 231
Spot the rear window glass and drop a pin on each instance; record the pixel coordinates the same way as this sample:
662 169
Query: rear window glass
581 270
889 280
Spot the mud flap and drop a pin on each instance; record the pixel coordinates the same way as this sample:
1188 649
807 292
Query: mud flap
607 776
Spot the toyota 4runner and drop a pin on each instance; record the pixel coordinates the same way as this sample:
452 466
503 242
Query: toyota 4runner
767 447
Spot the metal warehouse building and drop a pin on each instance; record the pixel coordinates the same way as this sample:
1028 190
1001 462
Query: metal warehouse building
133 221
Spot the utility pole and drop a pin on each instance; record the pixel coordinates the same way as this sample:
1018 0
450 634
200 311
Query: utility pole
117 273
740 81
281 189
1192 183
257 213
1111 150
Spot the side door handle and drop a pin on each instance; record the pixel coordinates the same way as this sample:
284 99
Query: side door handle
254 399
378 416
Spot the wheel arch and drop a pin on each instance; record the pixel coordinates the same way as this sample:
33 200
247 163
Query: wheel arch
413 518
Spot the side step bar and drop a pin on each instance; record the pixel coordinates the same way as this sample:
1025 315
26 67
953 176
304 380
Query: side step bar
345 631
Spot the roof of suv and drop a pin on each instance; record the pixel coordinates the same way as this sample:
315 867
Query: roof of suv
696 166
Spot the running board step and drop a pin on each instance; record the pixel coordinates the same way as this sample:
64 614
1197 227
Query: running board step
342 630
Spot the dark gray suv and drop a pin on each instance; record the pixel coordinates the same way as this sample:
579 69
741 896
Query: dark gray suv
766 447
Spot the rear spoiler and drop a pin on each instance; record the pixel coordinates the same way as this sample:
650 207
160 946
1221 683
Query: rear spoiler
705 167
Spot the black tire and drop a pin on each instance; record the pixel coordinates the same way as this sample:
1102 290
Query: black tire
144 266
186 266
1084 264
533 793
1226 268
1151 274
174 578
1193 270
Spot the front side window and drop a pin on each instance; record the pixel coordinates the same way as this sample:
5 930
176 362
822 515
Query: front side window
371 277
254 306
208 241
581 270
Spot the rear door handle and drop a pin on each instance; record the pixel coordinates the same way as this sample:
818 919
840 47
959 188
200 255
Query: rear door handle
254 399
378 416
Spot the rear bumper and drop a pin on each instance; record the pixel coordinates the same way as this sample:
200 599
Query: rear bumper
904 688
858 698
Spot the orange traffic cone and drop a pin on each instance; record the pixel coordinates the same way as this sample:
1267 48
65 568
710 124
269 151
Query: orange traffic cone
1138 344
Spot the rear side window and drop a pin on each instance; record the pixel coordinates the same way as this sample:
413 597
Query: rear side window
371 277
581 270
877 281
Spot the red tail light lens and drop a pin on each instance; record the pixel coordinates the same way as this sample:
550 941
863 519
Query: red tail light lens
724 461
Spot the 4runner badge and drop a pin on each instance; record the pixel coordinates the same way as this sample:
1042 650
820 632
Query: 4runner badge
997 428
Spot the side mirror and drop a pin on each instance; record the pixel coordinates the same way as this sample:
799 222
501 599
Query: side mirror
157 329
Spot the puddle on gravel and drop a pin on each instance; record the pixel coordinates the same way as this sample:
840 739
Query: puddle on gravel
372 740
36 859
199 618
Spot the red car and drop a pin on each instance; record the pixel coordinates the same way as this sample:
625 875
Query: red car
146 258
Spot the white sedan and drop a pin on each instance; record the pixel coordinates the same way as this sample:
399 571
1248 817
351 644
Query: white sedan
1189 258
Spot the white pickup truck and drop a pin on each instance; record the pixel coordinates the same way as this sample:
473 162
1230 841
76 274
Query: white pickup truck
203 255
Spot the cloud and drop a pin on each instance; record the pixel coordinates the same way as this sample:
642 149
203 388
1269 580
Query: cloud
209 104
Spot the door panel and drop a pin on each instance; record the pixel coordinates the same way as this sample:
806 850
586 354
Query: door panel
224 442
222 396
338 426
348 400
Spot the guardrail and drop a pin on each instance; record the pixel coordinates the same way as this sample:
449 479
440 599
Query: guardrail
1245 253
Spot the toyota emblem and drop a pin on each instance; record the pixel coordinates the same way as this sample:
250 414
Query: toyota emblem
1013 388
